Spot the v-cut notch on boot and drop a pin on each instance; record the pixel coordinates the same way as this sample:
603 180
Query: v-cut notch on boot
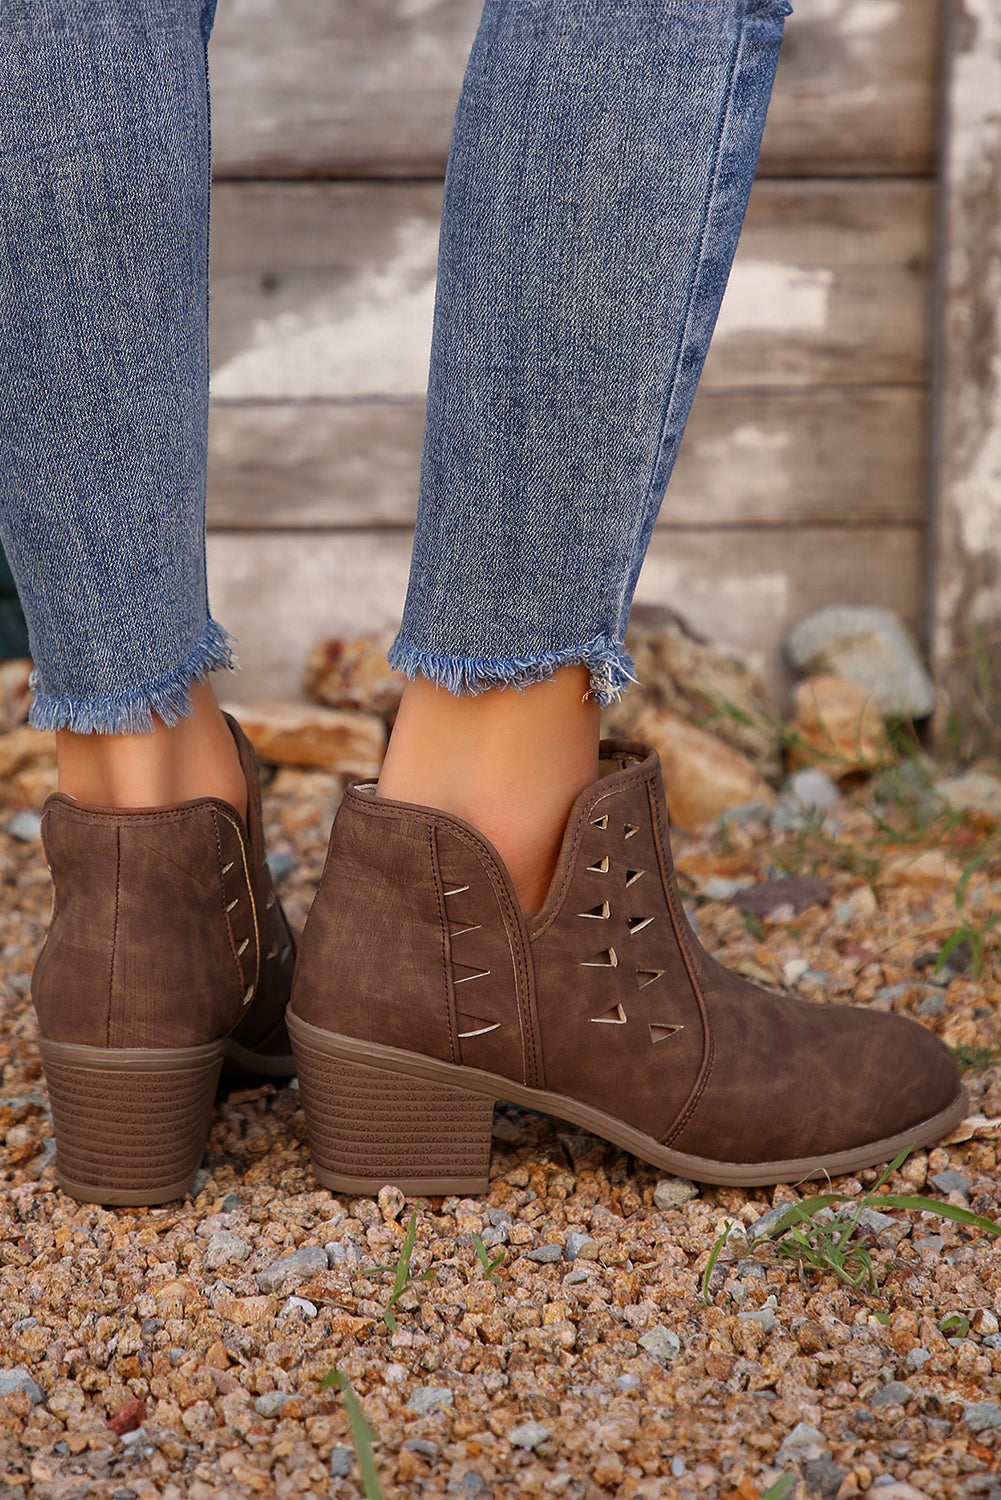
475 1025
614 1016
661 1030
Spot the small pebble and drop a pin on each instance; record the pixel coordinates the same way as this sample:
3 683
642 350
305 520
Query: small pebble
768 1221
280 864
342 1461
626 1382
932 1003
429 1398
718 888
579 1245
678 1466
271 1403
492 1237
950 1181
980 1415
224 1247
674 1192
545 1254
299 1266
661 1341
230 1203
18 1379
896 1393
528 1435
916 1358
814 789
807 1441
300 1305
763 1315
25 826
422 1446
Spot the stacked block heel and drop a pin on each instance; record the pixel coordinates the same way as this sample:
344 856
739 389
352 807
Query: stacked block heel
369 1126
130 1123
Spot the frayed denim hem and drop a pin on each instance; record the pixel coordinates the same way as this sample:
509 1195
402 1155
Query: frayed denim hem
132 712
611 668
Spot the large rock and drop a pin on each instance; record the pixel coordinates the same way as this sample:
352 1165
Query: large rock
681 672
868 646
837 725
303 734
355 674
703 777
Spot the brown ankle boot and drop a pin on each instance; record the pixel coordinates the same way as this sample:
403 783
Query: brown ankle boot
168 955
423 994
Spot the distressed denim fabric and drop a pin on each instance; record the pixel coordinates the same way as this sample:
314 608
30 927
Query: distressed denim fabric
104 195
600 164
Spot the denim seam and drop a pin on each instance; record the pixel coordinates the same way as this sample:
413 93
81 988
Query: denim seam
672 387
131 712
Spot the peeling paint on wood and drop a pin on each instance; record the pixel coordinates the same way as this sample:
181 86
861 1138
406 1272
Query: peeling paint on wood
334 88
325 290
967 581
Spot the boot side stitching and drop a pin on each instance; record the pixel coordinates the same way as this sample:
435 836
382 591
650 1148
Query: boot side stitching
709 1059
446 945
514 918
218 812
530 1066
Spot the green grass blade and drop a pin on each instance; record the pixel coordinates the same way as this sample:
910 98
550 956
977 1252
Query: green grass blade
361 1432
711 1262
943 1210
406 1251
778 1489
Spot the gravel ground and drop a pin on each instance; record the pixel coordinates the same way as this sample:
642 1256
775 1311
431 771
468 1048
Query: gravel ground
178 1351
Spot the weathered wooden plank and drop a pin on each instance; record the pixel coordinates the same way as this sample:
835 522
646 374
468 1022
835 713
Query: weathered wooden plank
333 88
326 290
280 592
966 644
748 458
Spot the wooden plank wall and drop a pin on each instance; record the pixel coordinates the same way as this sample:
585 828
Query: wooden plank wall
802 478
967 582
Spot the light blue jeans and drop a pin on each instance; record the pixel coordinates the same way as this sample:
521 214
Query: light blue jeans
599 170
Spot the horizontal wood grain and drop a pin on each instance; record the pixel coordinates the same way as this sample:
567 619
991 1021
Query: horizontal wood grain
327 289
335 88
281 592
826 456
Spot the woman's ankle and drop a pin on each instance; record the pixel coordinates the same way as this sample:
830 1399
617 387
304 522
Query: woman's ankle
509 762
197 757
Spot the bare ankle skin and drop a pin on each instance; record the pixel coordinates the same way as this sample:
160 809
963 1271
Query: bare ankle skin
197 757
509 762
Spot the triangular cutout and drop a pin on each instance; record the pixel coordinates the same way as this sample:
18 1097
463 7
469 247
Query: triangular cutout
602 912
647 976
630 830
601 868
608 959
475 1025
637 924
456 890
601 822
614 1016
463 973
633 875
659 1032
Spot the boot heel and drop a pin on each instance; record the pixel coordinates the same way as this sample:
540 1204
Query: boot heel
130 1123
369 1126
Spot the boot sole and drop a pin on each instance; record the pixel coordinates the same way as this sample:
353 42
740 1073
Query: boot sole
131 1123
378 1115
